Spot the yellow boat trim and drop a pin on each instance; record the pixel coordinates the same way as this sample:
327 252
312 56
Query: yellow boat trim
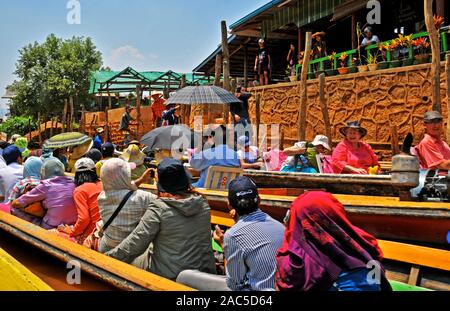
16 277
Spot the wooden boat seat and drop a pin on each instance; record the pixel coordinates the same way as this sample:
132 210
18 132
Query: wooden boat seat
218 177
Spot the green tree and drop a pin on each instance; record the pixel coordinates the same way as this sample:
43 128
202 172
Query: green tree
17 125
51 72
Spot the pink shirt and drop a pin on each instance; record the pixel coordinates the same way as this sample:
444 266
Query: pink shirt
433 152
345 154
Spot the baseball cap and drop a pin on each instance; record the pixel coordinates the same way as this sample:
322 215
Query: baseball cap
321 140
11 154
172 176
84 165
243 141
107 149
429 116
242 187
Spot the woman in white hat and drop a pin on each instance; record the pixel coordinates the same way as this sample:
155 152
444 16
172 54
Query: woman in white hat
352 155
302 157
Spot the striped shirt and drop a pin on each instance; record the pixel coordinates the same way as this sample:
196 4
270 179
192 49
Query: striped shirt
250 247
126 220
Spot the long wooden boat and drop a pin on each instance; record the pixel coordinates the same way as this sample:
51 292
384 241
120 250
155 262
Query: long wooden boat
374 185
27 243
384 217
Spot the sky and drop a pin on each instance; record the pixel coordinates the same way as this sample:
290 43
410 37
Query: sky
148 35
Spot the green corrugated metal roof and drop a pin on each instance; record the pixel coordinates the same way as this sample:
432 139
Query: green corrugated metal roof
151 78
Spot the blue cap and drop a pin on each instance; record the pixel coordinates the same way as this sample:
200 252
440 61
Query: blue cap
242 187
172 176
11 154
243 141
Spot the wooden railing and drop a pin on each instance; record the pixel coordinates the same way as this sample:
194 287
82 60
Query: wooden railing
350 53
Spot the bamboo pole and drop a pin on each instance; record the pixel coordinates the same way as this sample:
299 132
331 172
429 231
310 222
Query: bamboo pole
303 90
324 106
436 61
447 77
226 68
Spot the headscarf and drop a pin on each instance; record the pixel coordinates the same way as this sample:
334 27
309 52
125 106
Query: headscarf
32 167
116 175
52 168
22 144
320 243
47 154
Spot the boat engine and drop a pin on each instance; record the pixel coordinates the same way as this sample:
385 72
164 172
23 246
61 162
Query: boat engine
433 186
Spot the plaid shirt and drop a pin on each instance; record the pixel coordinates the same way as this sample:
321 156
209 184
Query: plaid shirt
21 185
126 220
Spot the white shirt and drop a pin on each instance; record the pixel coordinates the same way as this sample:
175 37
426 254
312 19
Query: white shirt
290 160
374 38
250 156
9 176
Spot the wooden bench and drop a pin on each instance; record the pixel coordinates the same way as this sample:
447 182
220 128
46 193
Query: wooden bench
219 177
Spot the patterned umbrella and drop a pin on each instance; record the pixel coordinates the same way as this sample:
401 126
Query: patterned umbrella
172 137
64 140
204 94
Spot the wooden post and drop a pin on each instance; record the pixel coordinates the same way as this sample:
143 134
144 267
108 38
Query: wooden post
29 129
394 140
51 127
226 68
245 66
281 137
447 78
218 70
106 125
354 38
71 114
258 115
303 90
183 107
138 109
300 40
39 128
45 127
109 99
436 55
324 107
64 116
440 8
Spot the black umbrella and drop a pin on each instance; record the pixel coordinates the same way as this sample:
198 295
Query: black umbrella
174 137
203 94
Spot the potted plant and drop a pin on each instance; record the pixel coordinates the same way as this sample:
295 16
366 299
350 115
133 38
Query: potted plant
352 68
395 62
384 48
372 62
421 45
343 69
332 71
406 42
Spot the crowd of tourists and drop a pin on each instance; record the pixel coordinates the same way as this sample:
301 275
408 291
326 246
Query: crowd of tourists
168 233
